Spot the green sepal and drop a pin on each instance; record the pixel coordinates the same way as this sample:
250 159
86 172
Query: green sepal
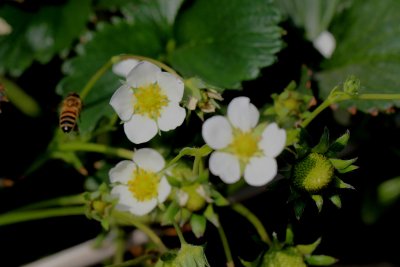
170 213
335 199
308 249
183 216
289 236
348 169
198 224
211 216
341 164
219 199
203 177
340 143
319 201
174 181
299 206
342 185
323 144
320 260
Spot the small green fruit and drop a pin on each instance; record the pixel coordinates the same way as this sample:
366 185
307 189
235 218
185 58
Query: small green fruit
313 173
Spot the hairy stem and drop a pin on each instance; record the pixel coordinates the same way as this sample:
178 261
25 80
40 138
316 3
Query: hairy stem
99 148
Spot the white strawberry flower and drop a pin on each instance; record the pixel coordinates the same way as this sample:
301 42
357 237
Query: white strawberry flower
123 67
241 151
149 102
138 184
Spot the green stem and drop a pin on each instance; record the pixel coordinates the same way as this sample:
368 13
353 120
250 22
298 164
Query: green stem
196 165
100 72
316 111
179 233
246 213
226 247
133 262
336 98
22 216
120 247
93 147
155 62
60 201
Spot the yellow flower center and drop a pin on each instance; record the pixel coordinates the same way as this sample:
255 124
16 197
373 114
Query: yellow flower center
244 145
150 100
144 184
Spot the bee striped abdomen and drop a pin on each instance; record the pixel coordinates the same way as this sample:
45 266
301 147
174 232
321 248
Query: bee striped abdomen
70 109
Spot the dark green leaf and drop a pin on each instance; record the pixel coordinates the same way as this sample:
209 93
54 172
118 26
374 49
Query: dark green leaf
368 46
108 41
40 35
225 41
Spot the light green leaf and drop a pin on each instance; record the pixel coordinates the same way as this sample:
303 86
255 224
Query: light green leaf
368 46
110 40
40 35
225 42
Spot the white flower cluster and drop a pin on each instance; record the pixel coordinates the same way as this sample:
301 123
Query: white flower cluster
148 101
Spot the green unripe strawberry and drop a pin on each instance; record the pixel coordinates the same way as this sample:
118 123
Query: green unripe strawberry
313 173
288 257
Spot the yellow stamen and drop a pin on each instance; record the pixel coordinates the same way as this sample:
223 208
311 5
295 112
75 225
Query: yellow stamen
149 100
144 184
244 145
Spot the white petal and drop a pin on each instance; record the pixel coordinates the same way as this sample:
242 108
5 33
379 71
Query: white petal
226 166
123 67
122 172
325 43
121 101
171 85
142 208
217 132
164 188
144 73
140 129
260 171
124 196
149 159
171 117
242 114
273 140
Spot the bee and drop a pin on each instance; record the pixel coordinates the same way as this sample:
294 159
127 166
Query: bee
3 96
70 109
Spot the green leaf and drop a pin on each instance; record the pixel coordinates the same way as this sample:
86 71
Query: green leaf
312 15
320 260
40 35
368 46
226 41
140 39
198 224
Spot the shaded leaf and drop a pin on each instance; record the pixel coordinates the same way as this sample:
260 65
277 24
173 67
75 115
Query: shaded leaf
140 39
368 46
225 41
40 35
